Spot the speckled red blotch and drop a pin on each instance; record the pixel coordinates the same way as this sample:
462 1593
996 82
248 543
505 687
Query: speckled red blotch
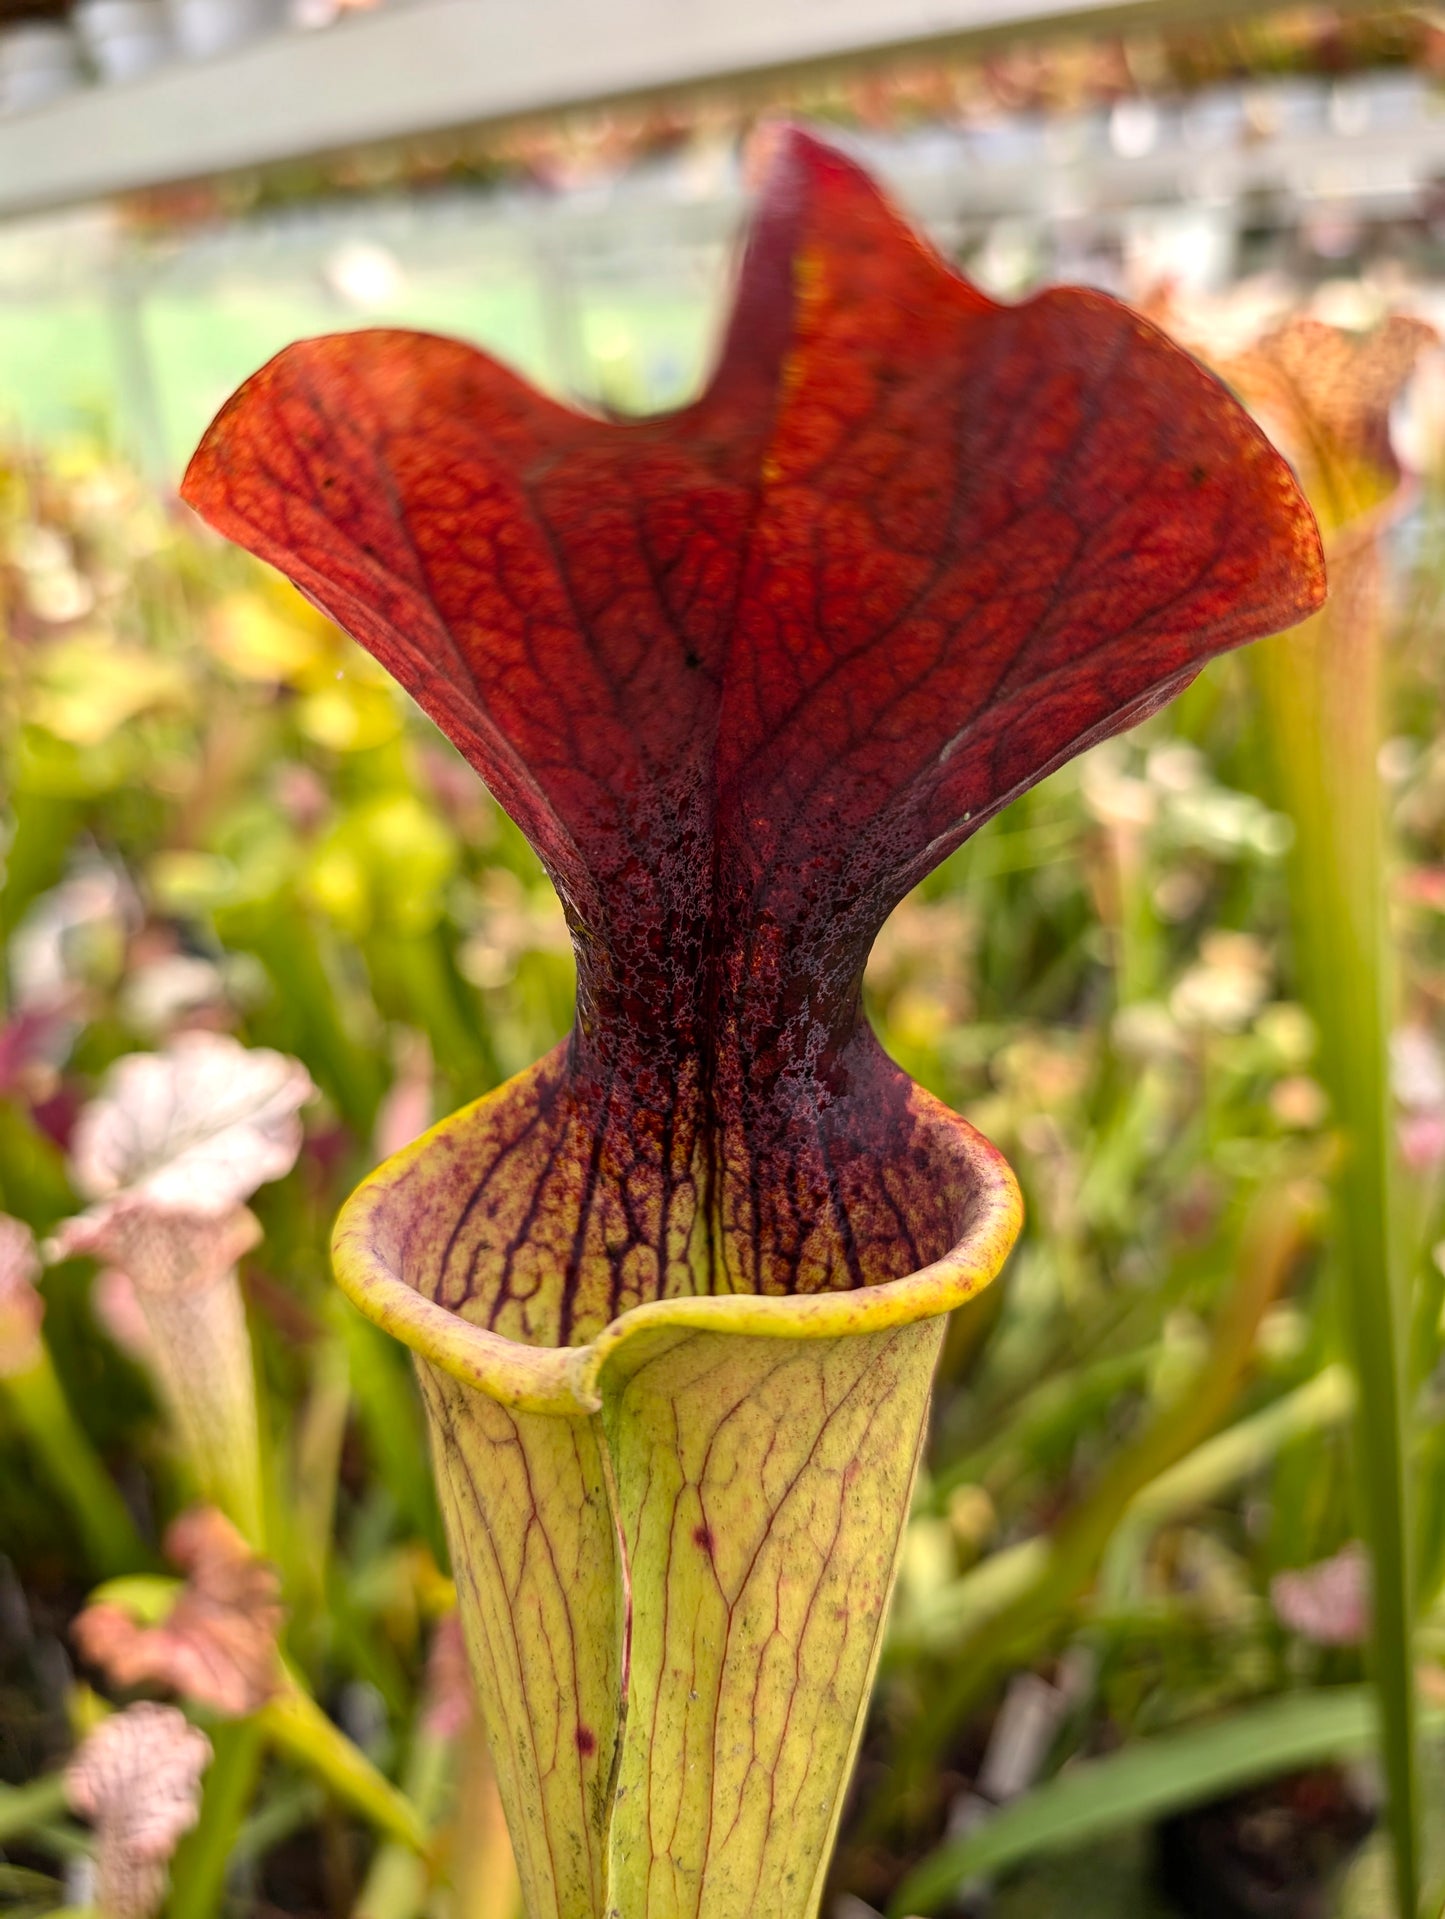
744 673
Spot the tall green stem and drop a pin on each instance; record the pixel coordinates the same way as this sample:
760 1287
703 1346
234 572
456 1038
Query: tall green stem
399 1881
71 1464
297 1727
33 1804
198 1872
1322 688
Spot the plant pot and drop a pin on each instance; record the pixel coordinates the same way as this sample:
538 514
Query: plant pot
124 38
204 28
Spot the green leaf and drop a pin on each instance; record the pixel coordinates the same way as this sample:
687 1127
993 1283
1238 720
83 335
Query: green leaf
1143 1782
21 1807
198 1871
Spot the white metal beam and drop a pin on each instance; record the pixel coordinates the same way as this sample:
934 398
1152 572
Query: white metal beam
436 64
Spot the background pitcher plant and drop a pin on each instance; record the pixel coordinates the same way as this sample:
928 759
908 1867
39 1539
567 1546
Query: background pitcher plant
743 673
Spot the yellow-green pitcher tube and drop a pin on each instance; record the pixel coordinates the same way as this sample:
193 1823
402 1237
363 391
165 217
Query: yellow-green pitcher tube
674 1549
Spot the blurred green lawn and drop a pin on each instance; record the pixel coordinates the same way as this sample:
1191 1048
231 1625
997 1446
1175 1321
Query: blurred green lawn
69 364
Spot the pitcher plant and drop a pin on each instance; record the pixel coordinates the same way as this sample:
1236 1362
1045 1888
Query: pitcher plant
743 673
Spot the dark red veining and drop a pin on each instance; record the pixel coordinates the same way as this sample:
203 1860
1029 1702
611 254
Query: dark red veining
744 673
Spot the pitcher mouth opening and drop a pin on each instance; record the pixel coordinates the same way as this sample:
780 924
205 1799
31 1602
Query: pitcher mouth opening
389 1233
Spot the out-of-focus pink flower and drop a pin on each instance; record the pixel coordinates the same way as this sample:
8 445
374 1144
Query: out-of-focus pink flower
1226 987
458 793
1299 1102
195 1129
1417 1069
450 1701
72 937
167 991
137 1779
1422 886
1329 1603
29 1044
34 1046
408 1107
1417 1078
114 1302
218 1644
167 1154
1422 1141
21 1307
170 1150
302 795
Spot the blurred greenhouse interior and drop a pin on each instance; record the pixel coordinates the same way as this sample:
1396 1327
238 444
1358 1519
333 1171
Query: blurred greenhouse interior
589 249
1169 1630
